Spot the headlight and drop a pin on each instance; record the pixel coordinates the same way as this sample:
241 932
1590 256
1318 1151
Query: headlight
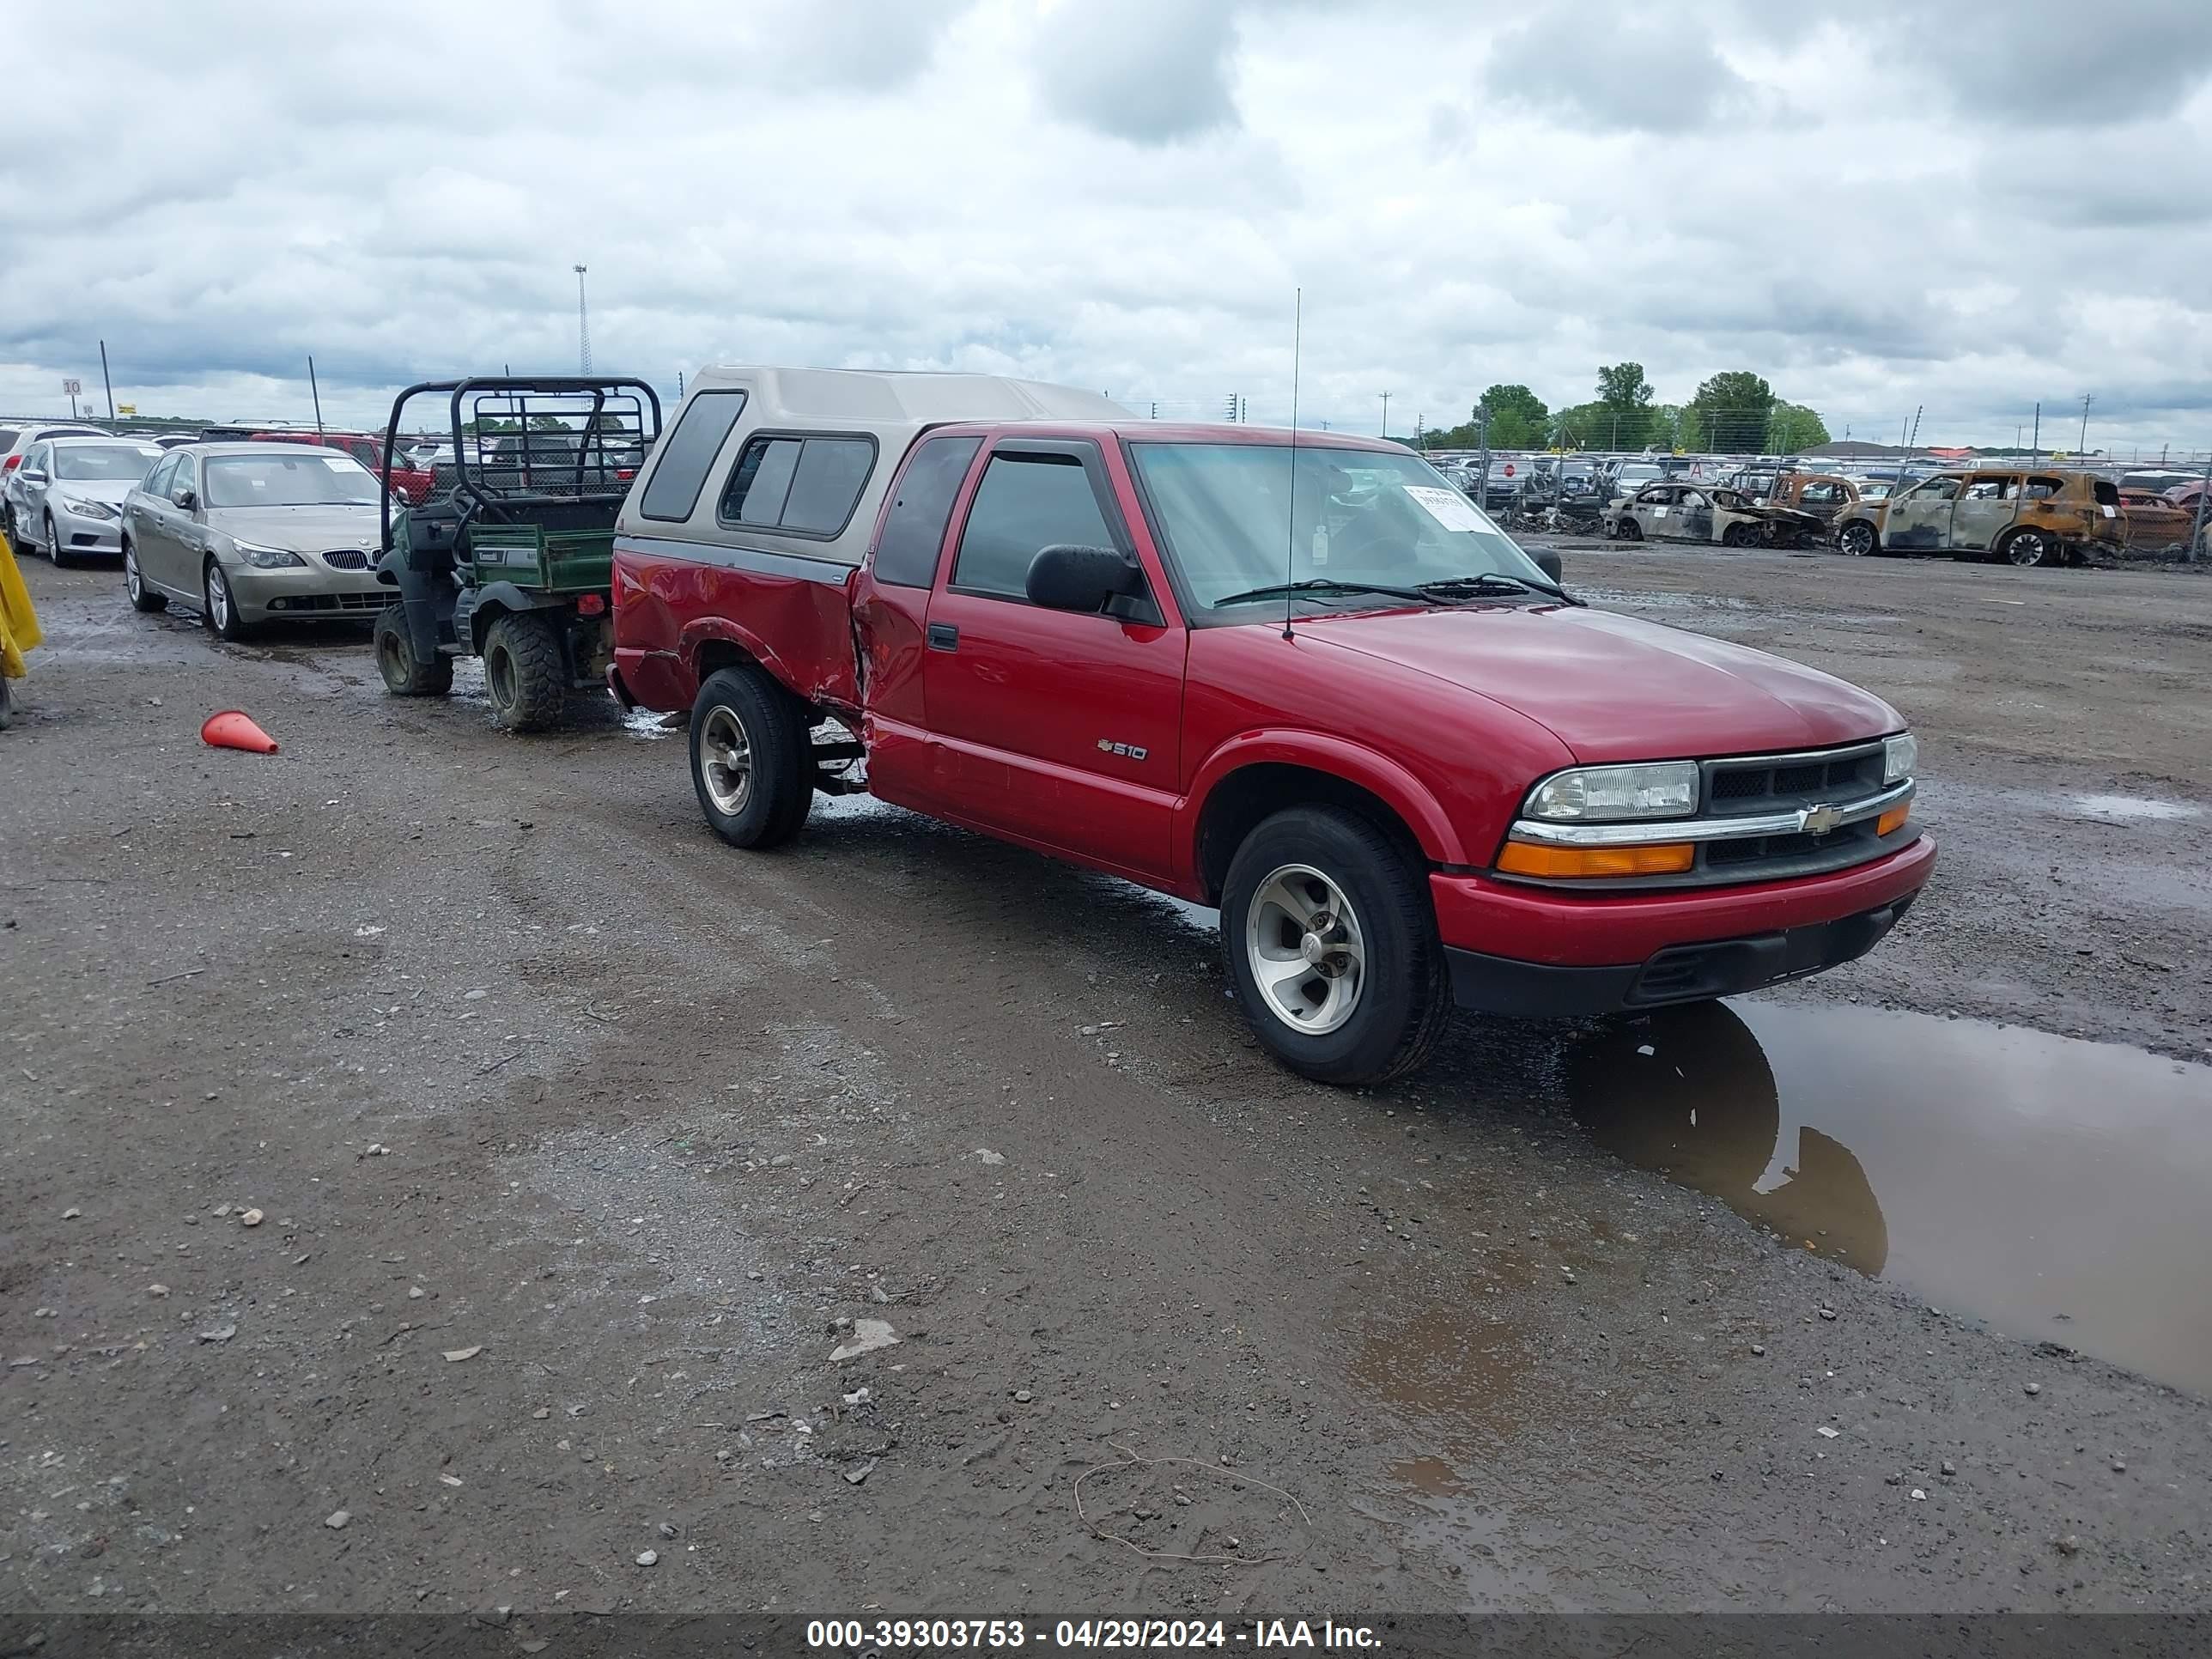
266 558
1900 756
90 509
1665 789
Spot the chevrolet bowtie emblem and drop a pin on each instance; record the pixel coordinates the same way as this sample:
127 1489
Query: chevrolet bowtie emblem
1818 820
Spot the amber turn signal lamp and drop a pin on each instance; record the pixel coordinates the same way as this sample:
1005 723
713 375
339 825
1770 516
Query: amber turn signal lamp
1524 858
1892 819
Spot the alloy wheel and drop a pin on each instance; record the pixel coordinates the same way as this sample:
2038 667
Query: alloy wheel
1304 947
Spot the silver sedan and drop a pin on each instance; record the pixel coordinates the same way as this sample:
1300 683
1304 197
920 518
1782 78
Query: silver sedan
247 533
65 499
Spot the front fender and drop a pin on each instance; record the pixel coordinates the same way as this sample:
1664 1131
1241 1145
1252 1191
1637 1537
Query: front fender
1376 773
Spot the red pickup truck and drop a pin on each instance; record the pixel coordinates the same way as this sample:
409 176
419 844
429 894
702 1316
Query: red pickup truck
1311 685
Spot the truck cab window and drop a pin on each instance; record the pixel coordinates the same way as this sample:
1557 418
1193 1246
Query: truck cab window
1026 503
914 529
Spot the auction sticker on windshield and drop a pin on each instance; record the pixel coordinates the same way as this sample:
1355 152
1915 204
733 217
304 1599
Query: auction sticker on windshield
1451 509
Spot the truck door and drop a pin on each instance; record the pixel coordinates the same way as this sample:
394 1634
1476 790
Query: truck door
1919 521
1985 509
1051 727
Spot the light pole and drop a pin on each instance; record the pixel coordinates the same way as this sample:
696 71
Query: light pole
1386 413
583 326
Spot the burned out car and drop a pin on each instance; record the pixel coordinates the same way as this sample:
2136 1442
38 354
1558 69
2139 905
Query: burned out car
1679 512
1822 495
2024 516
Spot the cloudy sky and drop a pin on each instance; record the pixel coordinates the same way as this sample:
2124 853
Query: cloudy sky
1873 212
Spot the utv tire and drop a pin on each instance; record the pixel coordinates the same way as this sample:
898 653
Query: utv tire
142 596
405 676
525 673
750 752
55 550
1332 947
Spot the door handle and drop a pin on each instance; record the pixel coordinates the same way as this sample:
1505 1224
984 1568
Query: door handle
943 636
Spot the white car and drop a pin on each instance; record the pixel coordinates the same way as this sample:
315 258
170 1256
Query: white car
16 438
65 499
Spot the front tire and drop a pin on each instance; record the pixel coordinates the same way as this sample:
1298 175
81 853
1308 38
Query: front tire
1332 947
219 606
749 756
1630 530
1855 539
142 598
403 675
526 675
55 550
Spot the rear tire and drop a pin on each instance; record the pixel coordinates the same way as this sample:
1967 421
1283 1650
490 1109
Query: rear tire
1325 890
1737 535
525 673
404 676
750 753
2029 548
142 598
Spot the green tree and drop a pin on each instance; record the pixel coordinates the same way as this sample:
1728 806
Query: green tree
1734 406
1625 396
1518 419
1796 428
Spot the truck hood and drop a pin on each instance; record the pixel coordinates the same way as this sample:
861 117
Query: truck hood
298 529
1615 689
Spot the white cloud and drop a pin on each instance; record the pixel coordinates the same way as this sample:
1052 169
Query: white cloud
1121 197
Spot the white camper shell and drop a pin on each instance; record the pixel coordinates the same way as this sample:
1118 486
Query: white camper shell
765 465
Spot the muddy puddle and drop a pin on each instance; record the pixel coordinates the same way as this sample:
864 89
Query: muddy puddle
2055 1188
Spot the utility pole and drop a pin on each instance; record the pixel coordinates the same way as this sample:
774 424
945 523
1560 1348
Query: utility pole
1482 465
583 326
1386 413
2035 450
107 382
316 392
2083 448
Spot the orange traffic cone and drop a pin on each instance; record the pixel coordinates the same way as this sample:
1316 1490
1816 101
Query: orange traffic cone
231 730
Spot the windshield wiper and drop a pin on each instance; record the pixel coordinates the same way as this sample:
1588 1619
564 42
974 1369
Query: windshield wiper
1334 585
1498 581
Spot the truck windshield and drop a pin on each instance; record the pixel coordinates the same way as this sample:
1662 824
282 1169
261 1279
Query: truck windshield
315 479
1233 522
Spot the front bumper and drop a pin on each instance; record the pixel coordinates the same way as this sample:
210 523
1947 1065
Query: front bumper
305 593
1517 950
81 535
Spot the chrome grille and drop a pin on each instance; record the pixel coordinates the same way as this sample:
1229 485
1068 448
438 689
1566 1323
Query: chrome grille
346 558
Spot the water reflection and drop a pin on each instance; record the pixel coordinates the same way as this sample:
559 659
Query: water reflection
2053 1187
1689 1092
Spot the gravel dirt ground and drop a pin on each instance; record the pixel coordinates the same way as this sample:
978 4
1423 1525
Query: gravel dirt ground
439 1174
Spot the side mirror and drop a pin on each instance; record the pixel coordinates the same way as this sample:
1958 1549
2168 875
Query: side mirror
34 475
1091 581
187 501
1548 562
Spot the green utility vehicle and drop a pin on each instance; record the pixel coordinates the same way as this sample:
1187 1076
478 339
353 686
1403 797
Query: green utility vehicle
507 553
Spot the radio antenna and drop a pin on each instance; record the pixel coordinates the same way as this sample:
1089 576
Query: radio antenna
1291 527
